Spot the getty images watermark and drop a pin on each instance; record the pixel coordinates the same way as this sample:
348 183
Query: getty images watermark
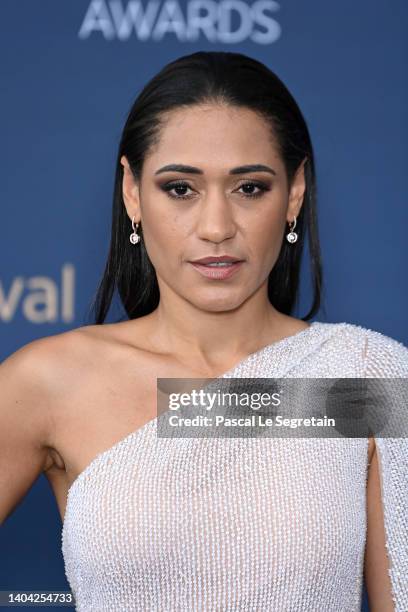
282 407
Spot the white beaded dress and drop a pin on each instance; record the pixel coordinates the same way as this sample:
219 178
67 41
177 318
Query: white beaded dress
240 524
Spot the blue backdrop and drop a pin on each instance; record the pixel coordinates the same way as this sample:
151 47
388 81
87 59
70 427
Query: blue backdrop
70 71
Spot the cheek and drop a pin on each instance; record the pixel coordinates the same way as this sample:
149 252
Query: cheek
266 237
165 234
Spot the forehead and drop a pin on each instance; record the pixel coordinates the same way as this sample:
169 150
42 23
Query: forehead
213 135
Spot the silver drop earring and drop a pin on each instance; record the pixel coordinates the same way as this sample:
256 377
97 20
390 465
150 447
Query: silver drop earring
134 237
292 236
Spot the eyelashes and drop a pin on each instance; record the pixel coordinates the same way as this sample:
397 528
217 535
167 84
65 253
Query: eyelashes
168 188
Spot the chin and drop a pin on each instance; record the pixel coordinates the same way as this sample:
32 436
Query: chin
218 303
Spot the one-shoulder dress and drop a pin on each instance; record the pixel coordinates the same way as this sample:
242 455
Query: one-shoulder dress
238 524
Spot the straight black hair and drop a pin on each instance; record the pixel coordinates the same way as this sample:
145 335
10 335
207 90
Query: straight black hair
210 77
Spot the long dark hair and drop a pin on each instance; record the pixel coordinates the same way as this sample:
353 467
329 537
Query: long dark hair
237 80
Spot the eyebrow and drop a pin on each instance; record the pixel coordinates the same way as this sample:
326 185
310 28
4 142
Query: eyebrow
237 170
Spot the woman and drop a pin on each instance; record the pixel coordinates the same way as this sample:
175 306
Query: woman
215 161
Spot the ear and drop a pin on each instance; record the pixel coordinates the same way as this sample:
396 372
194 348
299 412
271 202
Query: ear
130 190
297 192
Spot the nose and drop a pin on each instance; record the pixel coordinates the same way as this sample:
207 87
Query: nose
215 218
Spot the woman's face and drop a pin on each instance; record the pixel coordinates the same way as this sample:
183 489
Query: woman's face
215 206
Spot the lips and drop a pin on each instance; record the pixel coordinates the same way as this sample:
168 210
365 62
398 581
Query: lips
218 259
217 272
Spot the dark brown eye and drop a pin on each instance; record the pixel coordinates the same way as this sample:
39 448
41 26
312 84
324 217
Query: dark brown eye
180 188
261 186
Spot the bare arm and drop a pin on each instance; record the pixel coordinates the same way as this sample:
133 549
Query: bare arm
376 562
25 423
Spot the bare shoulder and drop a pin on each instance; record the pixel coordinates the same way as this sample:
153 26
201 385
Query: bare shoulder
74 347
28 379
38 376
62 399
32 380
42 361
34 364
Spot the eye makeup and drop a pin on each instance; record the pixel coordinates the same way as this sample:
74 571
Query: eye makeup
180 184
